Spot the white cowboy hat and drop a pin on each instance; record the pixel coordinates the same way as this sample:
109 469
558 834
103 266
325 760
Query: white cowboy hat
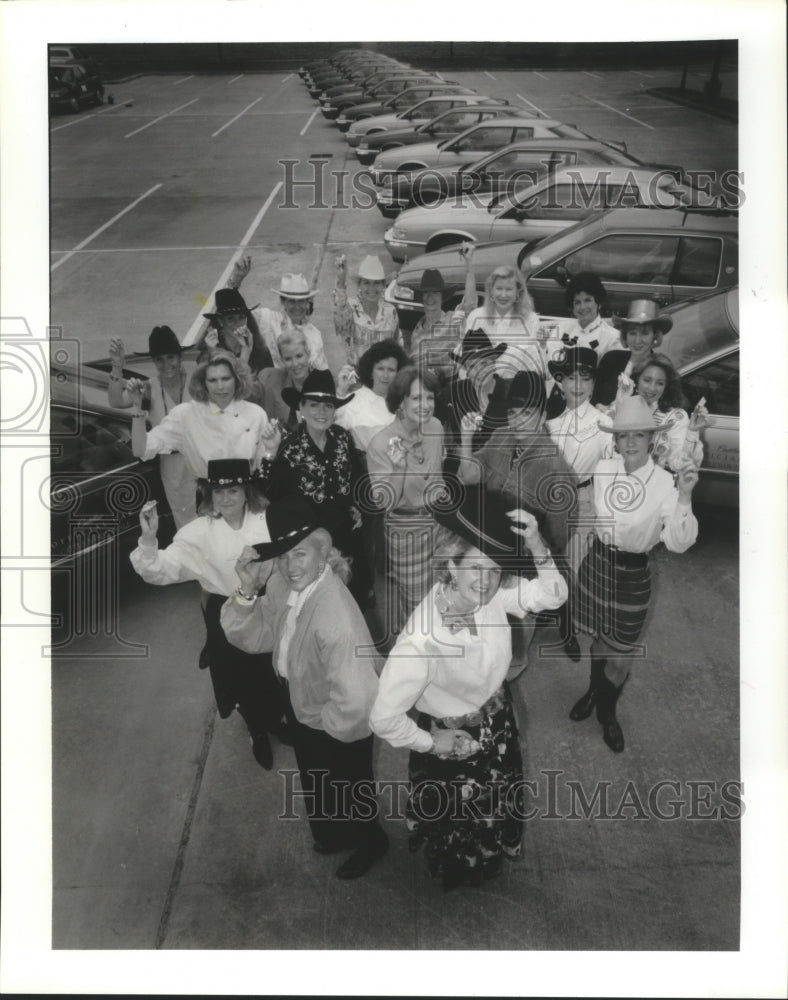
294 286
633 414
644 311
371 269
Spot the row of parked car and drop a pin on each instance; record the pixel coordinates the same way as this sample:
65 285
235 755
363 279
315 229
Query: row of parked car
74 81
453 166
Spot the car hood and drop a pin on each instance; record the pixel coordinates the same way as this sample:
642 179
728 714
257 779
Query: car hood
402 133
360 127
390 157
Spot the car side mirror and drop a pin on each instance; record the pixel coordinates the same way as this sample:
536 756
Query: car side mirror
564 277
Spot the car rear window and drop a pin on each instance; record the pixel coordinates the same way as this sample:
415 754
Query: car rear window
698 261
718 381
88 442
632 258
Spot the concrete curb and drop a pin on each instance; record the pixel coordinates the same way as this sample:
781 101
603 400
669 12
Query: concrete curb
729 110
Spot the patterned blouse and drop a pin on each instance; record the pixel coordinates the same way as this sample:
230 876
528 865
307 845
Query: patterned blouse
358 329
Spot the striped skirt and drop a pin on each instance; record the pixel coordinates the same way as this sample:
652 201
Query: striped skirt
611 595
468 814
410 543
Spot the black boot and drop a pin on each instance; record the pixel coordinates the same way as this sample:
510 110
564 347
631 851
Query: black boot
584 706
607 696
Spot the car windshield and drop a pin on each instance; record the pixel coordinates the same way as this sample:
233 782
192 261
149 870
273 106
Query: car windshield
704 327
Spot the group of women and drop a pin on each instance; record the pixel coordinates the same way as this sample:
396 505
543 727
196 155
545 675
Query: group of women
490 472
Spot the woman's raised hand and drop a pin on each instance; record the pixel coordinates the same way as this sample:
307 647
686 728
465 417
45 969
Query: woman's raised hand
117 352
212 339
466 252
271 437
244 335
346 376
527 527
699 418
149 521
686 481
470 423
252 572
241 269
136 389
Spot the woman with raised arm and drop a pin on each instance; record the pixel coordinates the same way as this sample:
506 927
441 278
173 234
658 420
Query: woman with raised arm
363 319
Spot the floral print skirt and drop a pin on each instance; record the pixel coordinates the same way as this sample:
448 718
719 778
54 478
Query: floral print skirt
468 814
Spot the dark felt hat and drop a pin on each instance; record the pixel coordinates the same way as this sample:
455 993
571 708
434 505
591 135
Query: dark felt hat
162 340
289 521
319 385
228 472
228 300
481 519
527 388
432 281
475 346
568 361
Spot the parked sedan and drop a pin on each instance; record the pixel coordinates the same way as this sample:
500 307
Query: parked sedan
671 255
499 171
97 486
388 87
72 87
67 55
355 122
704 347
532 211
469 145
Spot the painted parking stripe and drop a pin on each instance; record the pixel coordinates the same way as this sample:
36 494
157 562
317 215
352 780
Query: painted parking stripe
234 79
239 115
106 225
489 74
76 121
537 73
532 105
161 118
311 119
596 76
649 76
183 80
290 77
199 322
622 113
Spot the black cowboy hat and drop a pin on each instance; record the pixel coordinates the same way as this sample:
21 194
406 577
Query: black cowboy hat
319 385
162 340
228 472
481 519
476 344
228 300
289 521
526 388
432 281
568 361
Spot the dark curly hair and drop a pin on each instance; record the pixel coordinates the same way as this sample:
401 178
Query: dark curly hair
586 282
402 382
382 349
673 397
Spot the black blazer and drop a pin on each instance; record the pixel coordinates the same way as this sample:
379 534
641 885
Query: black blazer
610 367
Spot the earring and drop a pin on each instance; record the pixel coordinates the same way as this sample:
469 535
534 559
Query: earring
453 582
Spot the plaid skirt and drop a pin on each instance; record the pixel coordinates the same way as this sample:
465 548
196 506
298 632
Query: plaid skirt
612 594
410 543
469 814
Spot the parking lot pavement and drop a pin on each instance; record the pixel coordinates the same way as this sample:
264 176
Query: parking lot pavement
166 831
204 156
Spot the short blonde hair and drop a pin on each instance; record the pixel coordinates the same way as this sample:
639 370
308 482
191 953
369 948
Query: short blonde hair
340 565
524 304
243 382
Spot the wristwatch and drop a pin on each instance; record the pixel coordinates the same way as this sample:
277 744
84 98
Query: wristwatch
542 560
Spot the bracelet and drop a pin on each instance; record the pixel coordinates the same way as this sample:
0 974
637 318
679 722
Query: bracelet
138 413
242 597
542 560
115 378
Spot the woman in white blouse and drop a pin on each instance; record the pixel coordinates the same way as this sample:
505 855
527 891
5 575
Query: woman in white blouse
367 412
637 506
218 422
465 803
206 550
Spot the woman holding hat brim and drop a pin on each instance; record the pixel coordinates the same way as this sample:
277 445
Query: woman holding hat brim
466 797
637 506
363 319
319 462
470 390
205 550
165 390
324 655
297 300
642 331
234 330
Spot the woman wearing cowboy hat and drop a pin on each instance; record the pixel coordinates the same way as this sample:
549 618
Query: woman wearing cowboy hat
637 506
296 299
363 319
234 330
318 462
642 330
437 330
205 550
324 655
466 772
165 390
470 390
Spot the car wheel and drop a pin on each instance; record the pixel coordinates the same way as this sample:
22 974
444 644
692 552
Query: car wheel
443 241
410 167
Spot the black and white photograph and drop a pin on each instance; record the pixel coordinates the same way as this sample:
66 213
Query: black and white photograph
393 544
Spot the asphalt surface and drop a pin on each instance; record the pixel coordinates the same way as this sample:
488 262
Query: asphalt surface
165 831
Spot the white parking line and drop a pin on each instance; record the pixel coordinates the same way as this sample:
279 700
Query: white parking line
311 119
239 115
532 105
234 79
596 76
76 121
649 76
623 115
106 225
537 73
489 74
183 80
194 329
161 118
290 77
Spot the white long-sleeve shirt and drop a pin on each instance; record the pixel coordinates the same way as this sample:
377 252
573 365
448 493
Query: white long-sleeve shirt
444 673
273 324
205 550
577 433
635 511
